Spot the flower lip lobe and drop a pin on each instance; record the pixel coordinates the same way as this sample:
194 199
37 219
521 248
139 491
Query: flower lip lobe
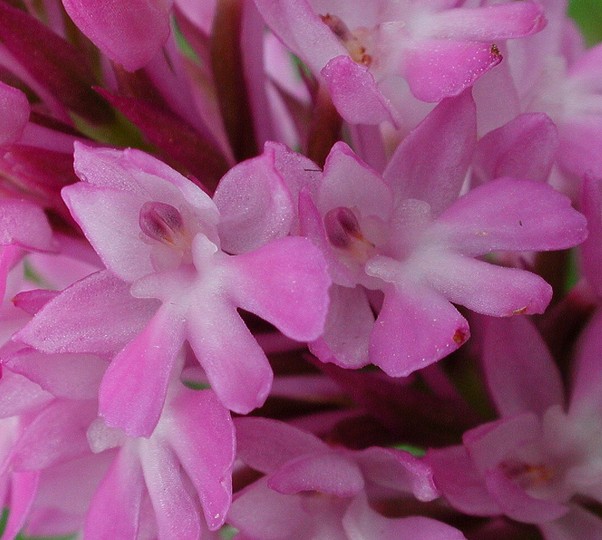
161 221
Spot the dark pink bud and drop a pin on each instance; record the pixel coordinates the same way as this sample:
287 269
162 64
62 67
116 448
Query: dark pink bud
161 221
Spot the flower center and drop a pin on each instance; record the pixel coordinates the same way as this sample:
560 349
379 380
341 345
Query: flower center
528 476
344 232
162 222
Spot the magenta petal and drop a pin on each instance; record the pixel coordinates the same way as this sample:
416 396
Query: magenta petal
134 387
266 445
587 379
355 93
349 323
23 490
517 504
591 249
294 298
489 289
115 509
129 34
14 110
431 162
440 68
204 440
328 473
523 148
255 204
415 327
361 521
236 367
520 371
74 376
175 510
460 483
76 320
24 224
509 214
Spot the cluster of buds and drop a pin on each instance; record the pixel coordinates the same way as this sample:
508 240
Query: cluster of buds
305 269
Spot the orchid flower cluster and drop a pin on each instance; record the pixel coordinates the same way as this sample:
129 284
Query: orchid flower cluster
306 269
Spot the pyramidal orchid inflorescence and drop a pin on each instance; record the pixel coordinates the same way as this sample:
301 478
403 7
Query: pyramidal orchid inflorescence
300 270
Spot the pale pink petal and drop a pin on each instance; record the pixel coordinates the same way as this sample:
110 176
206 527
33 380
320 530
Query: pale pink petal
23 490
236 367
517 504
519 369
266 445
577 523
523 148
255 204
77 321
509 214
74 376
175 510
204 440
295 297
129 34
361 522
24 224
115 509
328 473
431 162
439 68
461 484
346 338
134 387
488 289
415 327
355 94
14 110
591 249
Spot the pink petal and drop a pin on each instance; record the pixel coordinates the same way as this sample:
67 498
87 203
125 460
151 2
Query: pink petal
431 162
115 509
236 367
327 473
295 298
266 445
461 484
577 523
523 148
439 68
128 34
415 328
24 224
509 214
362 522
204 440
346 338
134 387
591 249
520 371
77 321
489 289
255 204
23 490
175 510
355 94
14 109
517 504
74 376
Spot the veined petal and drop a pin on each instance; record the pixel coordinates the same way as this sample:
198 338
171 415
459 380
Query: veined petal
134 387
